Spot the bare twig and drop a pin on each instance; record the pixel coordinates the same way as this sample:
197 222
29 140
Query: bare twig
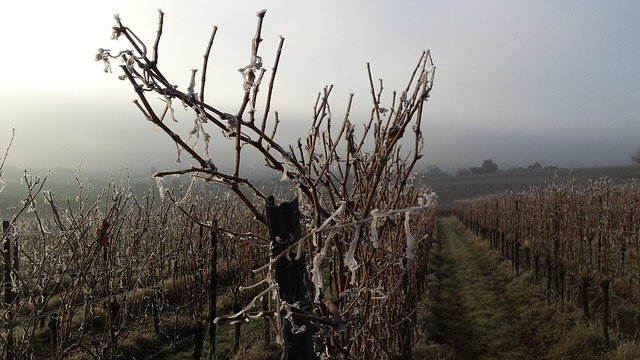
159 34
203 79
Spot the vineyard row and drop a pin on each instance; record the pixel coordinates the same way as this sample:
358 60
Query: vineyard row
573 238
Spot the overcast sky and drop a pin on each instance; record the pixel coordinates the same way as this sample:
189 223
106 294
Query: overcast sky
556 82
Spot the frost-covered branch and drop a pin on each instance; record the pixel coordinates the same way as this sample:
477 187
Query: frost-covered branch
355 183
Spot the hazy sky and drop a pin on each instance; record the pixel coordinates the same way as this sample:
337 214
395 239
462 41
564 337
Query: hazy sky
518 81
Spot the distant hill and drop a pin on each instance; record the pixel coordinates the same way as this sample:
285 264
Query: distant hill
66 175
451 188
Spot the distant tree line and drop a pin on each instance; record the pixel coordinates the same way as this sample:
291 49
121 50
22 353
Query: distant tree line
487 167
435 171
636 157
534 167
490 167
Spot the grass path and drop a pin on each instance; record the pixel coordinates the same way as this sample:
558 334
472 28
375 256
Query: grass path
471 312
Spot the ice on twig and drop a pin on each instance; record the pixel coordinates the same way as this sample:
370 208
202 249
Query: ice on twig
188 192
248 72
285 165
241 288
207 139
232 121
350 259
374 227
403 99
160 186
428 199
316 275
192 84
295 329
240 314
103 54
316 272
199 131
409 237
378 293
178 152
339 211
168 107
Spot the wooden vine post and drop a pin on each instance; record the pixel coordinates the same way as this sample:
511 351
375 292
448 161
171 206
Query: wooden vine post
406 329
290 274
516 241
213 293
8 293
